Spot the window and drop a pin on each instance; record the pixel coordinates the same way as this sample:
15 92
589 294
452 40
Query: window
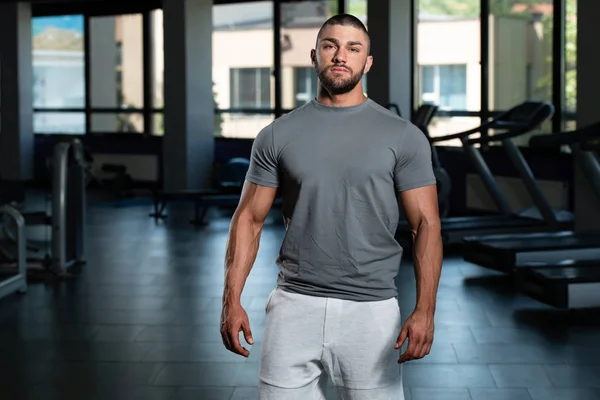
156 125
305 80
115 71
242 42
448 74
250 88
358 8
570 89
117 74
520 52
445 86
58 74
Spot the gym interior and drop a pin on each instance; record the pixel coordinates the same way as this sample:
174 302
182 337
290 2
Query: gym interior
119 173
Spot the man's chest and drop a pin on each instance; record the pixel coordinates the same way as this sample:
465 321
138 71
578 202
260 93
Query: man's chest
350 160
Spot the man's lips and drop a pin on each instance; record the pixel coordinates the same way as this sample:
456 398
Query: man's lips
339 69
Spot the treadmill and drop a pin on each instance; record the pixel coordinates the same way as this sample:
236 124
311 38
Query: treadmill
545 249
517 121
568 284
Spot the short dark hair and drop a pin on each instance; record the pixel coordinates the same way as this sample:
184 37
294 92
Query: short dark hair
347 20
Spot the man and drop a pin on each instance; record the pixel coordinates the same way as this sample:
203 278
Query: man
342 163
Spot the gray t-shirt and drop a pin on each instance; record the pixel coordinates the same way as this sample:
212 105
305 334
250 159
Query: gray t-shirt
339 170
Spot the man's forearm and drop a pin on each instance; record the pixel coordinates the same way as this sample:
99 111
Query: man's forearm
242 248
428 255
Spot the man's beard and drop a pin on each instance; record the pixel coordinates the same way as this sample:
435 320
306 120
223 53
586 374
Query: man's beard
339 85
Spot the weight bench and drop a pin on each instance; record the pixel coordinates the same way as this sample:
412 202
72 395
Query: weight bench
202 199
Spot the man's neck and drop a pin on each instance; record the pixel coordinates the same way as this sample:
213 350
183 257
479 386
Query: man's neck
349 99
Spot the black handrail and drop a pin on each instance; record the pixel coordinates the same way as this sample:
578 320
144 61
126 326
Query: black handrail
517 121
591 146
585 134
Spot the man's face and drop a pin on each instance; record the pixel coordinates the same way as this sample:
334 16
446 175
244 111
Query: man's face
341 58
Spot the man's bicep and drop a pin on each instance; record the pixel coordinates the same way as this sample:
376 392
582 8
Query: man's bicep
420 204
414 167
264 168
256 201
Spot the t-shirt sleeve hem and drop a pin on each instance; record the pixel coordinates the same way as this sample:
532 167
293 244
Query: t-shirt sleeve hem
415 185
261 182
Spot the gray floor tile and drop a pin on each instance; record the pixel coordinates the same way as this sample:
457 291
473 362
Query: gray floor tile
205 393
507 335
127 333
448 376
141 321
202 352
499 394
520 376
106 374
564 394
245 393
507 354
196 374
440 394
569 376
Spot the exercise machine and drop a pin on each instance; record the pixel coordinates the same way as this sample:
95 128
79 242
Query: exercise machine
67 218
507 252
559 269
519 120
13 273
229 181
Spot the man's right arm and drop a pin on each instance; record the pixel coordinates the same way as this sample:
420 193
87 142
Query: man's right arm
244 236
242 248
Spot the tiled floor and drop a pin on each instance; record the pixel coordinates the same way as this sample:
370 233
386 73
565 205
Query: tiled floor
141 323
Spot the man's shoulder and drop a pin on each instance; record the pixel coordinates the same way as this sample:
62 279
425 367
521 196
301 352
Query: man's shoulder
298 114
385 115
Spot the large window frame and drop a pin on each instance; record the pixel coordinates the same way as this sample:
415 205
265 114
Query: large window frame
149 113
560 118
92 11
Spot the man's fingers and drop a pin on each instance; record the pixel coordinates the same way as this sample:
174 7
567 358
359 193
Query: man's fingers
417 346
225 336
234 339
420 348
409 354
401 338
247 332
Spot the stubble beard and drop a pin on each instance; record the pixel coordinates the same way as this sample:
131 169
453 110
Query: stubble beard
337 85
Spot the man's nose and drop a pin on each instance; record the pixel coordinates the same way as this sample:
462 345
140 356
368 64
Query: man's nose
339 56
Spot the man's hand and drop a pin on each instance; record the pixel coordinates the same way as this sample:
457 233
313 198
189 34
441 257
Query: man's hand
234 320
418 328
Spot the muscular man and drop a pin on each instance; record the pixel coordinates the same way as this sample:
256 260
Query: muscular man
343 163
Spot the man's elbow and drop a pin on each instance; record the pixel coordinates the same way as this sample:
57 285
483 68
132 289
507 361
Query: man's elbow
248 219
427 224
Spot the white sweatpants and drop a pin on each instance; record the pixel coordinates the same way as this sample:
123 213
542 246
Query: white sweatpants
308 338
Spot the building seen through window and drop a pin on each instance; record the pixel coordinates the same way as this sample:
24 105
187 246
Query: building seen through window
116 73
447 65
58 73
449 58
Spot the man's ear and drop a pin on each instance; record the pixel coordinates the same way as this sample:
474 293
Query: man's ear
368 64
313 58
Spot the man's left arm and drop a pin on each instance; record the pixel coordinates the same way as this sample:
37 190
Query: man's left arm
421 210
415 184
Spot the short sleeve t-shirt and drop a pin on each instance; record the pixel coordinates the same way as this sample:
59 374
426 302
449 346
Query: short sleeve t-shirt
339 171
